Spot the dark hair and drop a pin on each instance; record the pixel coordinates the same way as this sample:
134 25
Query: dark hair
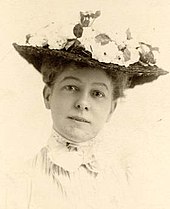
51 68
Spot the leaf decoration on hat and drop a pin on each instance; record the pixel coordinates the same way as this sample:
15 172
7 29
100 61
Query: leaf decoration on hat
129 35
72 43
126 54
102 38
69 43
87 18
78 30
146 53
28 36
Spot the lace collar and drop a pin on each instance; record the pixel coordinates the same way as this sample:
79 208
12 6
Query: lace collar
70 156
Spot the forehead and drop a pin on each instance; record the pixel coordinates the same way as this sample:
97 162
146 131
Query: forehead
85 74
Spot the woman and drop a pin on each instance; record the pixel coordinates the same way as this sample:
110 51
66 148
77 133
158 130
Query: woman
85 72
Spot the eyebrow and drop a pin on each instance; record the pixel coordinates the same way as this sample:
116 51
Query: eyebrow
101 84
70 77
77 79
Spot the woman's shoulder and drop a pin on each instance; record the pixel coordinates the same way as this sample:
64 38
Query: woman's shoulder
17 186
19 179
24 171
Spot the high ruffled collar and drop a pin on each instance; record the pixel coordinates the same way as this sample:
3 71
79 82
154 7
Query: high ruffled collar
79 145
69 155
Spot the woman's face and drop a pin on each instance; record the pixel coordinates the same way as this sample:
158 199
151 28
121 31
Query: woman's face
80 102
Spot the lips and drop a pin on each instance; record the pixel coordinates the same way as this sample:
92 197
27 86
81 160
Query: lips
79 119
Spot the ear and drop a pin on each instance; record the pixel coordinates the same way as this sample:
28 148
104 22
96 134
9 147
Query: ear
113 107
47 94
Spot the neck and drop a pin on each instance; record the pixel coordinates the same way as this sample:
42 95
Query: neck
63 140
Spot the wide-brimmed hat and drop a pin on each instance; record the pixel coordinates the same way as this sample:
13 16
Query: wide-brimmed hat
84 42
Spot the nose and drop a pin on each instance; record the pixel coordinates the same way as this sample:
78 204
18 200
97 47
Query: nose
82 102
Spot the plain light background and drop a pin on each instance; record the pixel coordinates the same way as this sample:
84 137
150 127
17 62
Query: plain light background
140 126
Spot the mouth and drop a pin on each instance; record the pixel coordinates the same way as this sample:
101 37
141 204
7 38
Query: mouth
79 119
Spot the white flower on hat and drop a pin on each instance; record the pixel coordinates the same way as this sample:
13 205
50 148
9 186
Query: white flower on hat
37 40
105 53
87 40
119 59
132 46
58 43
105 45
53 35
55 39
67 32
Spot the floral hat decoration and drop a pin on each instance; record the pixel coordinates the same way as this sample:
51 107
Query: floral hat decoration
82 42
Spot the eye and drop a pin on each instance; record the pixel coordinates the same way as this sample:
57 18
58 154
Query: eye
98 94
71 88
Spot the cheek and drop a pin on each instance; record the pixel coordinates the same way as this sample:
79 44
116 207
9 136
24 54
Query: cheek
60 106
102 111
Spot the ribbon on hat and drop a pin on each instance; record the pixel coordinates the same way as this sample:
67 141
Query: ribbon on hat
70 156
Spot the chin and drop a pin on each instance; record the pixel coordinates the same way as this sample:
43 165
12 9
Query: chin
78 135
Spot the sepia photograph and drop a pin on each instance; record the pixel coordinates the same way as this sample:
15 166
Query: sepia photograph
84 104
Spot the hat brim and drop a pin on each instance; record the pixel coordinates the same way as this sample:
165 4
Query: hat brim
137 72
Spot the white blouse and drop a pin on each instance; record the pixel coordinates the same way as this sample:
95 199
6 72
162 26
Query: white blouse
66 175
